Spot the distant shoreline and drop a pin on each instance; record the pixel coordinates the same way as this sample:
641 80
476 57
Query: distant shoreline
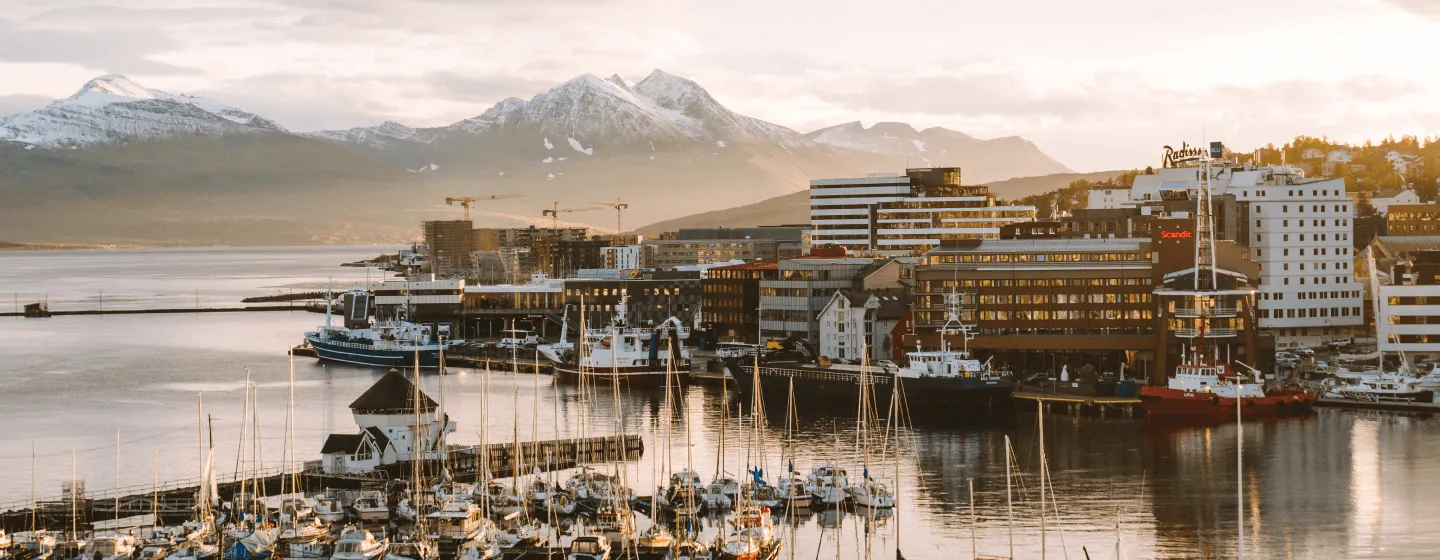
17 246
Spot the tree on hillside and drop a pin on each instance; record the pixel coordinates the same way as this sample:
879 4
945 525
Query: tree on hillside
1363 207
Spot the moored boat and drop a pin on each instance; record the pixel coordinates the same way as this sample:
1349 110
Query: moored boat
634 356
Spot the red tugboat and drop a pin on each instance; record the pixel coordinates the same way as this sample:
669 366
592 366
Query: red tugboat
1210 313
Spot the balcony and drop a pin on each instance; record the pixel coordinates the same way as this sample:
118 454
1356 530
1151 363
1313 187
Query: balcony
1201 311
1209 333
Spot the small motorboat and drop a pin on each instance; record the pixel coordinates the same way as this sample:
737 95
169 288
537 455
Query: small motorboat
589 547
358 544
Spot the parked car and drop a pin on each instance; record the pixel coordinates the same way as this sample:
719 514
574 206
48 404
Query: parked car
1341 342
1321 364
1286 358
1306 352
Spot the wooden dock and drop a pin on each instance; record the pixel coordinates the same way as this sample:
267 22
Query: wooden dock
1078 405
1431 408
174 501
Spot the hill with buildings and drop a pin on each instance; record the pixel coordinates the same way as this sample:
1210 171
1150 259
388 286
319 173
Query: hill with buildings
121 163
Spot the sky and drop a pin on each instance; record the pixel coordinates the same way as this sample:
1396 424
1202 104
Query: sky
1099 84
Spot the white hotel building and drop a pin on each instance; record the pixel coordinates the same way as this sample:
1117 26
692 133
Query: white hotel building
1299 232
900 214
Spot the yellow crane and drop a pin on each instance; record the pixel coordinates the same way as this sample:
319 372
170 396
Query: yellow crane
466 201
619 207
555 213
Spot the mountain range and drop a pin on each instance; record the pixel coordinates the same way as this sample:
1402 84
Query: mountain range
121 163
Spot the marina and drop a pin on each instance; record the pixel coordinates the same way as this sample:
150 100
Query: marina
969 451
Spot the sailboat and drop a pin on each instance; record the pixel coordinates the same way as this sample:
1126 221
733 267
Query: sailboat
868 492
252 538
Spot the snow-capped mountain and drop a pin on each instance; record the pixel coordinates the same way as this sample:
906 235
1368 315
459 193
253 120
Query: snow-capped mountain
661 112
692 108
113 108
982 160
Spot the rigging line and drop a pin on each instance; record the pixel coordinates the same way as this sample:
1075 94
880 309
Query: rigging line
111 446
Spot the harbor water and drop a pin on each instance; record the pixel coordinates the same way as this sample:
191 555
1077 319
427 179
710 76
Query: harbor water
1336 484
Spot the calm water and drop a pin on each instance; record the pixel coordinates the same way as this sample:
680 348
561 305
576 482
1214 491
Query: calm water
1339 484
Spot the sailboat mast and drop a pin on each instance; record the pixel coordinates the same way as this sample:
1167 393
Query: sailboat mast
1009 498
1041 407
116 527
1240 479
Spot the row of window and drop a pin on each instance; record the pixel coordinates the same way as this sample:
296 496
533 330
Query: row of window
1319 251
1069 315
1041 257
1317 280
1304 313
1342 265
730 289
1314 223
1414 320
947 285
1311 295
1043 299
600 292
1315 237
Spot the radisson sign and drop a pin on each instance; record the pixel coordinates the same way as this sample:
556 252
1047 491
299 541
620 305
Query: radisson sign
1185 154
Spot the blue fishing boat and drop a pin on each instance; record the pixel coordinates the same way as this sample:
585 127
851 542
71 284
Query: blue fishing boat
389 343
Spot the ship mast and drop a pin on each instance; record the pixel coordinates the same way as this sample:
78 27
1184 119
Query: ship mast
1205 280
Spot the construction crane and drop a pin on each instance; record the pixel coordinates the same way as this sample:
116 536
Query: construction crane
619 207
466 201
555 213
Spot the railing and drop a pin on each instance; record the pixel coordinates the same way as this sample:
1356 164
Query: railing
144 489
1209 333
1206 312
876 378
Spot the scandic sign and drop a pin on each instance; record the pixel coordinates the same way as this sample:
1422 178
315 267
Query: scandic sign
1177 234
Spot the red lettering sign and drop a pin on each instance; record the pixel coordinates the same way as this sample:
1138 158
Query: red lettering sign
1176 234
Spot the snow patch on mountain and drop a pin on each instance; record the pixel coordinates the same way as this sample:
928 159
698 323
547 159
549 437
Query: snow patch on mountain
547 160
113 108
575 144
548 145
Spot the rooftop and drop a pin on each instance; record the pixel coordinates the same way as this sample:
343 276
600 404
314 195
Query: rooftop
1044 245
392 394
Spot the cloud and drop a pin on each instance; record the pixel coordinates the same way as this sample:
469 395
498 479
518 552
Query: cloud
1426 8
483 88
11 104
107 50
110 16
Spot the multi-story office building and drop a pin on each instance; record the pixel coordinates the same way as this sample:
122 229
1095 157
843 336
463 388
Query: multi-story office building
790 302
653 298
693 246
567 257
427 301
1413 219
627 257
1409 315
450 245
1298 230
730 300
1040 303
906 213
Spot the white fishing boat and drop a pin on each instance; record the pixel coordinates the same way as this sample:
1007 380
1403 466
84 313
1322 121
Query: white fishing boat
358 544
1375 386
393 342
635 356
589 547
656 536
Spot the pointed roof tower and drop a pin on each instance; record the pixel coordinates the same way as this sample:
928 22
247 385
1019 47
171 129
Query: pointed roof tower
392 394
